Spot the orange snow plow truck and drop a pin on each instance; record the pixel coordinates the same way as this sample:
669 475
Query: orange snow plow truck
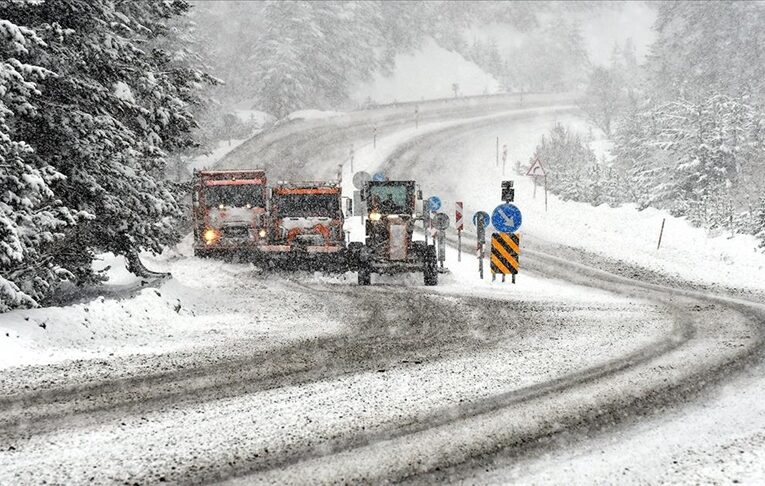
230 212
292 225
307 226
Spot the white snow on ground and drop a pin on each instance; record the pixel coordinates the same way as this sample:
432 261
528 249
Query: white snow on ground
717 440
205 303
426 74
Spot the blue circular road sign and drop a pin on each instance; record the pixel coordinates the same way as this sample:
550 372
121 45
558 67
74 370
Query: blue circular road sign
482 215
506 218
435 203
379 177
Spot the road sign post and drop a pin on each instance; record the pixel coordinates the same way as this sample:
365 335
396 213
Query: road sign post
374 137
460 226
481 221
504 159
359 181
537 170
441 223
426 218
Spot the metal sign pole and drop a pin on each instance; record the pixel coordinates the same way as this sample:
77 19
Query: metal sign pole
479 246
441 247
459 245
545 192
426 218
534 196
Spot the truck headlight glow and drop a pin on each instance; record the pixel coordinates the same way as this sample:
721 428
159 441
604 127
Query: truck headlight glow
262 233
210 235
374 216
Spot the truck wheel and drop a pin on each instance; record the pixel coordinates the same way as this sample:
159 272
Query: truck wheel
365 274
353 255
430 266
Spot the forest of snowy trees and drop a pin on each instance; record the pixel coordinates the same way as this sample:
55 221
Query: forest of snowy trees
300 56
688 126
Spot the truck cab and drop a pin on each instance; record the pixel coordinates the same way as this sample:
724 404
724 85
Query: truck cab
307 223
230 211
389 246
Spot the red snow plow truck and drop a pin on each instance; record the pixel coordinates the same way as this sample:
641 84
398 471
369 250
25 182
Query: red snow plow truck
230 212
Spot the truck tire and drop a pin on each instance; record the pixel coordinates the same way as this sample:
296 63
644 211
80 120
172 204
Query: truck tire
364 265
365 274
430 266
353 255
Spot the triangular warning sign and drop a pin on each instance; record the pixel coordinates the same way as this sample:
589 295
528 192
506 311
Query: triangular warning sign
536 169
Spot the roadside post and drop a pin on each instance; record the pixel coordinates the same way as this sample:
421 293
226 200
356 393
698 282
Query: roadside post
359 181
661 233
350 156
460 226
374 137
431 205
537 170
504 158
505 244
426 218
481 221
441 223
416 117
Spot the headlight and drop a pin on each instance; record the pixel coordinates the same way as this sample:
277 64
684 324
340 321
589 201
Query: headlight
375 216
262 233
210 235
221 206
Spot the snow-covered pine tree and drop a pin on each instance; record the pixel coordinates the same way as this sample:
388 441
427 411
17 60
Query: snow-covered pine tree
115 104
30 217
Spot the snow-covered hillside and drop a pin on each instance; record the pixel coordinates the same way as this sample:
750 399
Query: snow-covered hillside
428 73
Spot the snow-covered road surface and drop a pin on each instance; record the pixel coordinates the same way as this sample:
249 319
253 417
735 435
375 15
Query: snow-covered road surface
313 379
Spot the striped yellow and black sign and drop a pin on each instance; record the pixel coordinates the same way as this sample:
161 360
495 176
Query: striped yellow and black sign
505 248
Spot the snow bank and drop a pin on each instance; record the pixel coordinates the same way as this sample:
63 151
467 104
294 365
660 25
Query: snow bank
207 302
426 74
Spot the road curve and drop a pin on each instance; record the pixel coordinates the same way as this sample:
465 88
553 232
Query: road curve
389 329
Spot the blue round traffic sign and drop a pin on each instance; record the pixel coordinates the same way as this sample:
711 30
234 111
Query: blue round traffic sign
506 218
379 177
435 203
482 215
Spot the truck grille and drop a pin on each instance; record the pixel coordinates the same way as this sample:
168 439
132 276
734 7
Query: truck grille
237 232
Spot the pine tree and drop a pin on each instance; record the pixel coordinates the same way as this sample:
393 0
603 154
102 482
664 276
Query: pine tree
99 126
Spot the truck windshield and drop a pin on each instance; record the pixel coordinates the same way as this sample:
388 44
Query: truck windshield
235 196
389 199
302 205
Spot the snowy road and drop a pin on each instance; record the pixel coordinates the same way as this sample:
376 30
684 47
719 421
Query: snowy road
313 379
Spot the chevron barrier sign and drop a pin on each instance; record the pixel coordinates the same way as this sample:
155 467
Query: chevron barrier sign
505 249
